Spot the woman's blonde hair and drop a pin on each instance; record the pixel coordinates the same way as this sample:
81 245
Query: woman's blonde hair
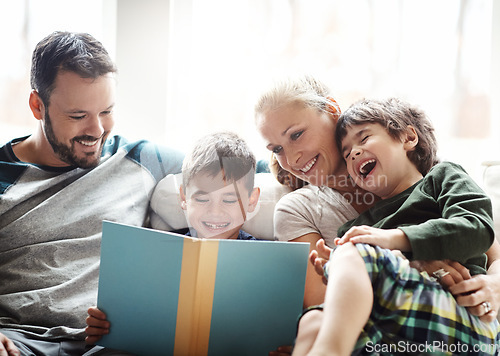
306 91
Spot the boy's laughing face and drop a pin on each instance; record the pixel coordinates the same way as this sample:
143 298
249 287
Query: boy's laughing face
377 162
215 208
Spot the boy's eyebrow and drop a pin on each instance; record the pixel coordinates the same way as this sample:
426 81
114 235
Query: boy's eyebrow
200 192
360 132
203 192
356 136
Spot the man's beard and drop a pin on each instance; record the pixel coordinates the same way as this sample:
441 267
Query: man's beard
67 153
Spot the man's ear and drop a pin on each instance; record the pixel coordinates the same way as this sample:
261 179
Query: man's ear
183 198
254 199
410 139
36 105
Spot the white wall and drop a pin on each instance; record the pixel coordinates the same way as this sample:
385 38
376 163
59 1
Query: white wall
495 76
141 57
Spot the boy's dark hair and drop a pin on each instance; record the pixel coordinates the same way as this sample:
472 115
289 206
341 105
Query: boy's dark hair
220 152
395 115
66 51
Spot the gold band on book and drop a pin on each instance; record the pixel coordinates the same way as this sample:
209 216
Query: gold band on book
196 292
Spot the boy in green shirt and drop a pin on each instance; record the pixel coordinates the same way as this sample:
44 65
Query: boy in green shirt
428 211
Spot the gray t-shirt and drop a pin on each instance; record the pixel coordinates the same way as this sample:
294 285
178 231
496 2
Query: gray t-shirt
311 209
50 231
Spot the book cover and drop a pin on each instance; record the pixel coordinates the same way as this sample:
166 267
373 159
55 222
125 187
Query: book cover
169 294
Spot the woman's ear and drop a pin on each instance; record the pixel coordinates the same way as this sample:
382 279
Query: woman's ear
183 198
410 138
36 105
333 107
254 199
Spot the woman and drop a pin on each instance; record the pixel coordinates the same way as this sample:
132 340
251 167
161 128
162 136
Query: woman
297 119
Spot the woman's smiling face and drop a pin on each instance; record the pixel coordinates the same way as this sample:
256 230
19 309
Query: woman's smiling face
303 142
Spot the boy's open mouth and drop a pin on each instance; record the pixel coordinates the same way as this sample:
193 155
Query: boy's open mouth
366 167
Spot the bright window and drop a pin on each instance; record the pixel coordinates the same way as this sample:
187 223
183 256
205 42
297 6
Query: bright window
188 67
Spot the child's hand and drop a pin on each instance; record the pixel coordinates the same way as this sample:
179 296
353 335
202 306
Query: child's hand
320 257
97 325
282 351
393 239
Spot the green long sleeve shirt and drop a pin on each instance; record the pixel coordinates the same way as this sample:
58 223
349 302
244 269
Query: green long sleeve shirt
446 215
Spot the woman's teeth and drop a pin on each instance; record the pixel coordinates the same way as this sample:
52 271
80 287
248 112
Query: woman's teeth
308 166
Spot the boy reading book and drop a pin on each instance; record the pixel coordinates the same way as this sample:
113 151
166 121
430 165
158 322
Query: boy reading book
217 193
217 188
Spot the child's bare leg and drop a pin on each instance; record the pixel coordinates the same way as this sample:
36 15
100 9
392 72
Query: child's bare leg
348 303
309 326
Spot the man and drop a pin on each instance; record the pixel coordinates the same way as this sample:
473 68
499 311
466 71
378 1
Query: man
57 186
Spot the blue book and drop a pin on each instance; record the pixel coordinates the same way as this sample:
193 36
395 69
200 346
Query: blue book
169 294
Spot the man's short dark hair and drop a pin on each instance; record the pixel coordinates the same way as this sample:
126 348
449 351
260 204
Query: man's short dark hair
67 51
